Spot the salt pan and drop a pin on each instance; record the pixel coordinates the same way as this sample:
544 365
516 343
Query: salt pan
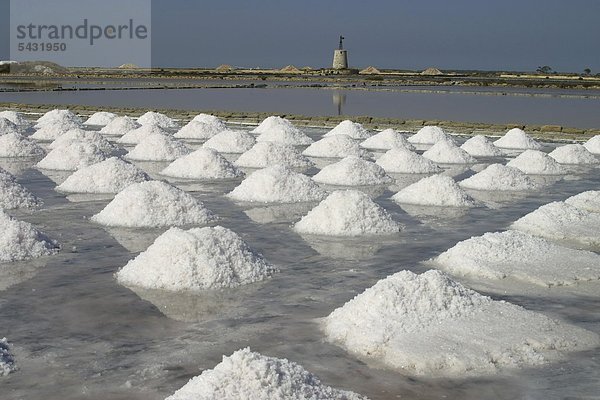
7 360
138 135
198 130
277 129
517 139
429 135
351 129
158 147
404 161
231 142
101 118
337 146
16 145
157 119
386 140
13 195
573 154
119 126
202 164
481 146
72 157
79 135
536 162
265 154
588 201
593 145
436 190
498 177
353 171
446 152
19 240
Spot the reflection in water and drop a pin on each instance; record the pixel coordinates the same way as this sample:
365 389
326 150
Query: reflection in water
279 213
134 240
339 100
343 248
16 166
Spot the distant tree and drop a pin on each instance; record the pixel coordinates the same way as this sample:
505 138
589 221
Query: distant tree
587 71
546 69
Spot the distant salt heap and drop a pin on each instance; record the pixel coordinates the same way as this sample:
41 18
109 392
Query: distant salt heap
436 190
593 145
404 161
446 152
338 146
265 154
58 116
15 145
429 325
19 240
563 222
198 130
517 139
158 147
521 256
573 154
79 135
119 126
277 184
280 130
249 375
352 171
138 135
7 127
386 140
587 201
109 176
72 157
202 164
231 142
481 146
196 259
210 119
351 129
347 213
101 118
429 135
157 119
498 177
536 162
153 204
16 118
13 195
51 132
7 360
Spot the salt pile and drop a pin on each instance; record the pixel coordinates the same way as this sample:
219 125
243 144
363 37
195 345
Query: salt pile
265 154
231 142
573 154
198 130
51 131
517 139
436 190
562 221
210 119
7 360
157 119
7 127
351 129
481 146
593 145
338 146
196 259
109 176
16 118
429 135
101 118
386 140
72 157
16 145
58 116
249 375
153 204
202 164
587 201
277 184
520 256
404 161
499 177
19 240
536 162
352 171
79 135
138 135
158 147
119 126
446 152
13 195
277 129
430 325
347 213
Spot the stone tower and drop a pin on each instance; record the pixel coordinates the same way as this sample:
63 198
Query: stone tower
340 56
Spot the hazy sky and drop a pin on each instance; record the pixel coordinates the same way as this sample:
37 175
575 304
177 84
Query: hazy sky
457 34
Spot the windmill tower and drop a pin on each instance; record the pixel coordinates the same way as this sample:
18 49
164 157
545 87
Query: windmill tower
340 56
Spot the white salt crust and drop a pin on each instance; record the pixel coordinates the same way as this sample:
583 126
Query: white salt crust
265 154
101 118
229 141
386 140
16 118
498 177
587 201
446 152
72 157
436 190
119 126
57 116
202 164
157 119
280 130
158 147
429 135
15 145
138 135
351 129
481 146
79 135
574 154
337 146
536 162
593 145
198 130
517 139
13 195
20 240
404 161
352 171
7 360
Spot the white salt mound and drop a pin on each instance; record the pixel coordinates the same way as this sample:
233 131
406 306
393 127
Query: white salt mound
429 135
79 135
347 213
6 127
249 375
573 154
196 259
587 201
198 130
52 131
404 161
277 184
153 204
202 164
210 119
265 154
13 195
593 145
109 176
386 140
57 116
16 118
158 119
520 256
119 126
446 152
140 134
338 146
158 147
16 145
536 162
430 325
436 190
500 178
231 142
353 130
101 118
72 157
481 146
352 171
277 129
517 139
7 360
19 241
562 221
